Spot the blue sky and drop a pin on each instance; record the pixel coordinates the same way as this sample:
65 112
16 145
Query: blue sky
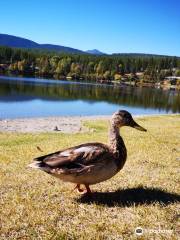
143 26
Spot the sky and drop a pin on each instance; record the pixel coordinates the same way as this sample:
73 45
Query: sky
112 26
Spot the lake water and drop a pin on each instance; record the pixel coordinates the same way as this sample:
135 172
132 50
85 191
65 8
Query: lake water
33 97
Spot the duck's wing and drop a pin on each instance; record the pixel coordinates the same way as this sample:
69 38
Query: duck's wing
79 157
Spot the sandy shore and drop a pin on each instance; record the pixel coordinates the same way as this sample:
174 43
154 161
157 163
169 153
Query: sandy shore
47 124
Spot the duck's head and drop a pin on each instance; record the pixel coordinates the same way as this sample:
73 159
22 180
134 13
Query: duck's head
123 118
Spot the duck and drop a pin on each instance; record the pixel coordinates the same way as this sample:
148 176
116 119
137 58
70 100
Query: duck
90 163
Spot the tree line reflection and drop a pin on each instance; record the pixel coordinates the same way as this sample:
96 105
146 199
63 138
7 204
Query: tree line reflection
130 96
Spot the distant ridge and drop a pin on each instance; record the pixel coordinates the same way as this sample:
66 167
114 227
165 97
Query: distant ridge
19 42
140 55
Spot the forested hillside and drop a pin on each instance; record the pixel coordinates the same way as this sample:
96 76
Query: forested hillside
87 66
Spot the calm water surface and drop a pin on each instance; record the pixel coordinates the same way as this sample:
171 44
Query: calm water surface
33 97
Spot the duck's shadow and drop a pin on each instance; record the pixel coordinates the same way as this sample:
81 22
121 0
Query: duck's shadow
130 197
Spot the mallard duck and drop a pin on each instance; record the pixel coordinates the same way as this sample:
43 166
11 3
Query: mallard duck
90 163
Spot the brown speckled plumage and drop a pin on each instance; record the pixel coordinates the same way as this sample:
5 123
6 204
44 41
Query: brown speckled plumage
90 163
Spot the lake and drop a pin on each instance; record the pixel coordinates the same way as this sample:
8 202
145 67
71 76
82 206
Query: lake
34 97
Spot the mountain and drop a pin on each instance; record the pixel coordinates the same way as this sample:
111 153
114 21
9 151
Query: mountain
59 48
13 41
95 52
19 42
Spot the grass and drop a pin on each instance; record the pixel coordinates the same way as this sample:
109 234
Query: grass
34 205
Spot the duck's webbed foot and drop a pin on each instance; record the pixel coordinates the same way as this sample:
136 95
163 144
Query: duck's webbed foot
79 190
83 191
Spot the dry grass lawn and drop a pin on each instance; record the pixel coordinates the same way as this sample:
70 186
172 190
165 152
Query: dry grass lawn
34 205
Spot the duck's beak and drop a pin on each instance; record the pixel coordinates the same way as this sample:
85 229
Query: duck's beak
137 126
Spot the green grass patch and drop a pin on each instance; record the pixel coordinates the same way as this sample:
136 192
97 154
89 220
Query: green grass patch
34 205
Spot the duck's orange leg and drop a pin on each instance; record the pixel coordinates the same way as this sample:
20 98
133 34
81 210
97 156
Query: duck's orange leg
88 190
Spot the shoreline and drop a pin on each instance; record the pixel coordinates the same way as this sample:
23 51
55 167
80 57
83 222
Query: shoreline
62 124
101 82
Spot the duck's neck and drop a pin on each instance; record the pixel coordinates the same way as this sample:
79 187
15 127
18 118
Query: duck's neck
115 140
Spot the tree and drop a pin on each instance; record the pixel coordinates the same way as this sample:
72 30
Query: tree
178 73
44 66
100 68
90 68
117 77
107 75
76 70
63 67
54 62
121 69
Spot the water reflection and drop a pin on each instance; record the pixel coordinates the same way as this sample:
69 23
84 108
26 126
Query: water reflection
27 92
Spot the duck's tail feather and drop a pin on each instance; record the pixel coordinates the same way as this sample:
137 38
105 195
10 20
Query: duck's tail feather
40 165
